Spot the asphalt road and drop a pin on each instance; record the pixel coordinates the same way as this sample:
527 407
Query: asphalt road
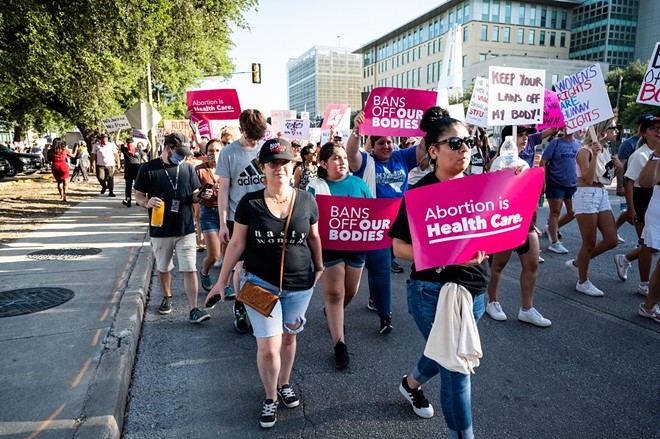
592 374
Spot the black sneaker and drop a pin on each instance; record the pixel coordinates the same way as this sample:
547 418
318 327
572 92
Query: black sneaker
416 398
288 396
165 306
241 324
386 324
342 359
396 268
103 190
126 203
111 194
198 315
268 414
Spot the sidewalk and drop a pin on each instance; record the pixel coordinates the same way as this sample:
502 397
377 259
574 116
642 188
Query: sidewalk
64 371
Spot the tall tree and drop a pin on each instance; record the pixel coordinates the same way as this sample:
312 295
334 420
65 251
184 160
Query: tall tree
82 60
631 80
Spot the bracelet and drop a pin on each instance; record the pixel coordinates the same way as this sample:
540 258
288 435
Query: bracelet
319 269
355 133
654 157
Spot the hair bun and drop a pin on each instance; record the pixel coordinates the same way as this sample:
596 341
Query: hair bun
432 115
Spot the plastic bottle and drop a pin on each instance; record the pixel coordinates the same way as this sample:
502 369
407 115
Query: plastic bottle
509 153
623 204
157 215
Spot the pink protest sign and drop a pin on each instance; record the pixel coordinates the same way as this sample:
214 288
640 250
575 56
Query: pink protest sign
221 104
396 111
452 220
357 224
334 115
552 116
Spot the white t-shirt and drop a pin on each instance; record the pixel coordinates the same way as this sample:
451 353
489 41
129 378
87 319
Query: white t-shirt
636 163
105 155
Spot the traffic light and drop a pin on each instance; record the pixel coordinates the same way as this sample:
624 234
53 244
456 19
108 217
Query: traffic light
256 73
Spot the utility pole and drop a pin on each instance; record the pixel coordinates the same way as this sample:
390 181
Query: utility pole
152 137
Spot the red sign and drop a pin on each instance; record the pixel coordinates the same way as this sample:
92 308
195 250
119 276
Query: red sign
396 111
452 220
356 224
221 104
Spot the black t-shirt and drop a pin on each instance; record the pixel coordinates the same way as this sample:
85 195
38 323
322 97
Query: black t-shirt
263 249
132 159
157 178
474 278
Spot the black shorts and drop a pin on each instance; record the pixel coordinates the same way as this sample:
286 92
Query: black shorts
521 250
641 199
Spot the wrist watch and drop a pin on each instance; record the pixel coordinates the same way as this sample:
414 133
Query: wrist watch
654 157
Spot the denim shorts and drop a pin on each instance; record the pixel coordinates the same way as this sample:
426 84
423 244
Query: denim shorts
591 200
289 309
554 191
351 258
209 220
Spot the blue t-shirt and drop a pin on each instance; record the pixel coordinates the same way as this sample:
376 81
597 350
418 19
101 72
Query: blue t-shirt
561 166
350 186
527 154
626 149
392 176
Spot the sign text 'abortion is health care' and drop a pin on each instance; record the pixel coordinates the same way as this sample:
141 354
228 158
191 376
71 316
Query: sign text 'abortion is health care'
356 224
221 104
453 220
393 111
649 93
515 96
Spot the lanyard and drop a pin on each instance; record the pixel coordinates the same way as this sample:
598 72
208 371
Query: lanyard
174 184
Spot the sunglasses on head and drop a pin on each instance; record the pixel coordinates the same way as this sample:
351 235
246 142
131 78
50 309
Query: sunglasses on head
455 142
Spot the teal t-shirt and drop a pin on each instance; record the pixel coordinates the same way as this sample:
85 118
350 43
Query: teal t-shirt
350 186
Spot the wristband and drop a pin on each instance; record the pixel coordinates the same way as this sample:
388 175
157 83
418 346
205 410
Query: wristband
654 157
319 269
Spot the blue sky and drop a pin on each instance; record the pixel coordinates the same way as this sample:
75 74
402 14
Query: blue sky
280 30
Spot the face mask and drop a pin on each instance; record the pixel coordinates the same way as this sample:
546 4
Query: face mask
213 156
175 158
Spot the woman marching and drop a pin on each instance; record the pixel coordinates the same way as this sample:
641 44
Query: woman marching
259 225
343 269
59 167
307 170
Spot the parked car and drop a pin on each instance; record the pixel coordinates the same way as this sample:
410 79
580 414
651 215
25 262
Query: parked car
17 162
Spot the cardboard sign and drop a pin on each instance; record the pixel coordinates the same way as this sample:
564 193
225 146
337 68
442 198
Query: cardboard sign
396 111
337 116
177 126
649 93
552 117
221 104
477 112
356 224
116 123
452 220
515 96
583 99
295 129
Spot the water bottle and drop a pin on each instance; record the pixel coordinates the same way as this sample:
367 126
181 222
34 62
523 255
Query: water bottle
157 215
509 153
623 204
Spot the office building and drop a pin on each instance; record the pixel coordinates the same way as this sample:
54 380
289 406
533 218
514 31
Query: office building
321 76
648 29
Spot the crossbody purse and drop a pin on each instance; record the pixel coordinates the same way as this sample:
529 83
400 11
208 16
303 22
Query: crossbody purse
258 298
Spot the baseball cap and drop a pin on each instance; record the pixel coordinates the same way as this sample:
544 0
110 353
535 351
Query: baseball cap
104 135
179 143
130 140
508 130
648 122
643 118
276 149
337 135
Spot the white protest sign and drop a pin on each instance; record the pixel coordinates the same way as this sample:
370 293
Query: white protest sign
457 111
304 114
649 93
116 123
583 99
295 129
477 113
443 98
515 96
277 118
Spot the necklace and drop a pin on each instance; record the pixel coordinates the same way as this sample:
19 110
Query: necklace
284 200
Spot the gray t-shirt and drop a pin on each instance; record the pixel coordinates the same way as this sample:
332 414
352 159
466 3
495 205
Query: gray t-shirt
241 166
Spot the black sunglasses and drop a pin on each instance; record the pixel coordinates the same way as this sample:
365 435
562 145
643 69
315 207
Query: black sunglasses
455 143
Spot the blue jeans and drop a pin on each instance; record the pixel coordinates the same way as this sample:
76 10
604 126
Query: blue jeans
379 265
455 396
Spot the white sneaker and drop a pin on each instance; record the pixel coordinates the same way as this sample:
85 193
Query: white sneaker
534 317
218 263
620 239
495 311
643 289
541 260
622 266
569 264
589 289
558 247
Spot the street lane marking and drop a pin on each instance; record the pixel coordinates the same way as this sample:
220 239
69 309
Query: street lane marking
105 314
97 337
78 378
47 422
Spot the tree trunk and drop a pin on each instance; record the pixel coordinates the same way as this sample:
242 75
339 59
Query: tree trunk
90 135
18 133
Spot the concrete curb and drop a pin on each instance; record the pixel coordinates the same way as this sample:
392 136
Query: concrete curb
103 413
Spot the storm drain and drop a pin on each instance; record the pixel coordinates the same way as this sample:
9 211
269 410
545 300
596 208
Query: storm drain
29 300
63 253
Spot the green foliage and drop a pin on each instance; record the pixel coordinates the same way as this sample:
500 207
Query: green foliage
83 60
629 109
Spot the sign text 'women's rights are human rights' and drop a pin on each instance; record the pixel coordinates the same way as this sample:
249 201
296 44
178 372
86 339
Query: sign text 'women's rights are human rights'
391 111
452 220
356 224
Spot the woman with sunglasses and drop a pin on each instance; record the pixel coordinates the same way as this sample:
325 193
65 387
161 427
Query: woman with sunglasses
386 173
449 145
306 171
591 204
529 260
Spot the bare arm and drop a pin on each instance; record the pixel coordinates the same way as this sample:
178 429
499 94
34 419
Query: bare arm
548 132
148 203
223 204
403 249
587 162
314 244
421 151
234 251
296 176
353 144
650 175
620 180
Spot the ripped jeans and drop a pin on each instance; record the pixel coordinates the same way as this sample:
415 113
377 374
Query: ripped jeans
290 309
